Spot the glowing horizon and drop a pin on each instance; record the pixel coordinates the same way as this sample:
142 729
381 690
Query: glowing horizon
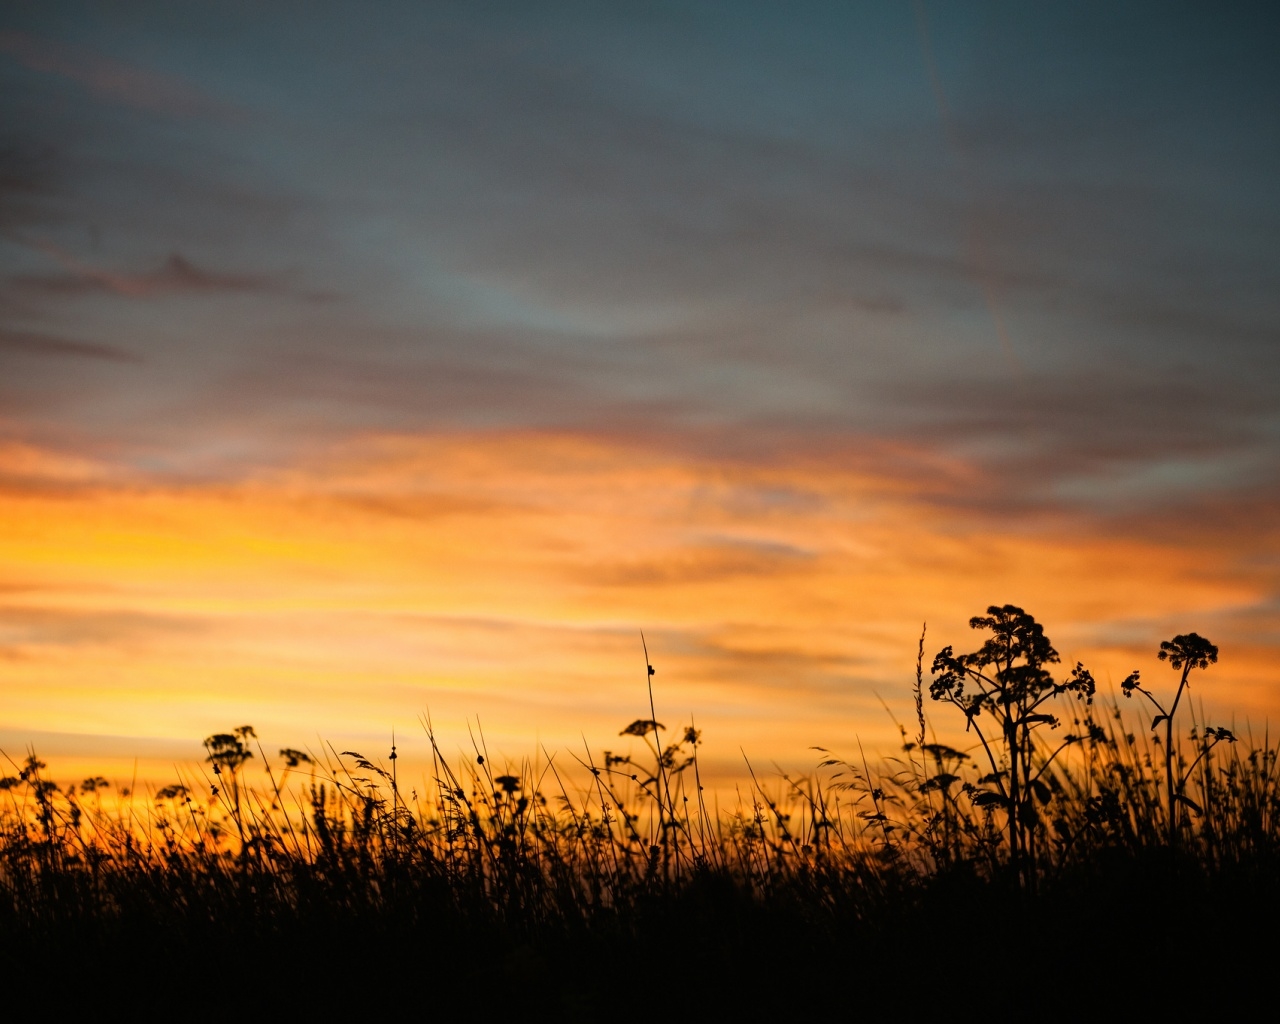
509 575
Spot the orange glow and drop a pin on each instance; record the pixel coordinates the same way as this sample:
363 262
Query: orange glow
509 576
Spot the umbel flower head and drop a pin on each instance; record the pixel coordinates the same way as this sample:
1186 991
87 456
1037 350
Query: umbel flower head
1189 649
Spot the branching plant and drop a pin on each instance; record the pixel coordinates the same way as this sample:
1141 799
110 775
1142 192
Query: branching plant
1186 651
1006 682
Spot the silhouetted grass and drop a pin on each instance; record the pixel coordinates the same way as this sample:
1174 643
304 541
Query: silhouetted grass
1069 849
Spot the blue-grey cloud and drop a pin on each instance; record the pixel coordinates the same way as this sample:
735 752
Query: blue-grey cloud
29 343
729 229
175 274
111 80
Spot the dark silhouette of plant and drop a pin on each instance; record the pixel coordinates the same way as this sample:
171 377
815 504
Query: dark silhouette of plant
623 862
1186 651
294 758
228 753
227 750
1007 681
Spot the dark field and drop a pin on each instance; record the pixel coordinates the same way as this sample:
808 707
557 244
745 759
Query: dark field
1078 858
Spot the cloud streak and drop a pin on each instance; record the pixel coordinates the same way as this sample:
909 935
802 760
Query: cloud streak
113 80
176 275
29 343
488 571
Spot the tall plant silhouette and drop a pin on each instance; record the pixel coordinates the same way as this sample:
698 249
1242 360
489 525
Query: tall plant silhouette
1006 681
227 753
1186 651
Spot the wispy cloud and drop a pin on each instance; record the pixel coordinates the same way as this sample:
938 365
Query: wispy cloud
28 177
30 343
699 563
404 570
175 275
113 80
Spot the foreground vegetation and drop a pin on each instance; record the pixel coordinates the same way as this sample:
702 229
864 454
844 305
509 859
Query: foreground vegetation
1068 838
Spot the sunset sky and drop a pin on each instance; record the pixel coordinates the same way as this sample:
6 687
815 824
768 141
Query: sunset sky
358 361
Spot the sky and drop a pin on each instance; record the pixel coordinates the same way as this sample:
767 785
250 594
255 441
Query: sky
359 362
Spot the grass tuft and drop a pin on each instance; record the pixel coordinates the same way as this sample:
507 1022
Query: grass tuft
1068 837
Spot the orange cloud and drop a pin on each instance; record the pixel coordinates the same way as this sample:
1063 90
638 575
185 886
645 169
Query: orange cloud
509 575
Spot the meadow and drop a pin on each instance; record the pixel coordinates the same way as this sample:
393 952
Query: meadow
1106 851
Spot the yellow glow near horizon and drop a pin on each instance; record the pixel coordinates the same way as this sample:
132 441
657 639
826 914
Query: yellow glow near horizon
509 576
